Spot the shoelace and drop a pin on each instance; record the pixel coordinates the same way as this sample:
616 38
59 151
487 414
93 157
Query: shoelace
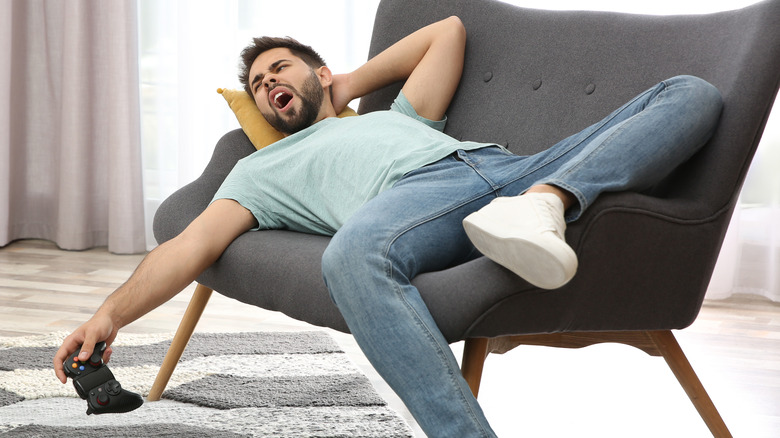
550 216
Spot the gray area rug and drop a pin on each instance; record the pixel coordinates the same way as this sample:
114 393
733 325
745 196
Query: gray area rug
226 385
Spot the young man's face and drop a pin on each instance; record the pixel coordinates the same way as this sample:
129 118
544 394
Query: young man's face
286 90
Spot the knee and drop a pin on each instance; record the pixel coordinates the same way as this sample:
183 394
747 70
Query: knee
700 103
702 94
335 264
335 259
345 262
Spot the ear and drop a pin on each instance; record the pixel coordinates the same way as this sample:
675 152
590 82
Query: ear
325 75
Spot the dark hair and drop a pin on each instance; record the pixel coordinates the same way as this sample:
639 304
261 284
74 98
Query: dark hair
264 44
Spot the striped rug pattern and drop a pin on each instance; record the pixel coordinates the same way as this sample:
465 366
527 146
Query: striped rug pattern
227 384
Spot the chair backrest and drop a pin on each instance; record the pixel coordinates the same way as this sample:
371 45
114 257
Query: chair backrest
533 77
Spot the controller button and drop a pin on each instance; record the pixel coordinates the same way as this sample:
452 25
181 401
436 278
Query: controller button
82 368
75 365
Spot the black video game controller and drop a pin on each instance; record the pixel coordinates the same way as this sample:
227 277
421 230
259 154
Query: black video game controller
95 383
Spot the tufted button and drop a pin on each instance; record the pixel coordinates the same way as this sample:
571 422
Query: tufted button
487 76
537 84
590 89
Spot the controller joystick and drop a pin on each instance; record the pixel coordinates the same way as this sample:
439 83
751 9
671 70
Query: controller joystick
97 356
96 384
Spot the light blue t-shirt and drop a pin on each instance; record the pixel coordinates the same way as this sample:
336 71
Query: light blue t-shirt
314 180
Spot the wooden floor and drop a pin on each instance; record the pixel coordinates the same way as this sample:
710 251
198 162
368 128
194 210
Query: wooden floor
599 391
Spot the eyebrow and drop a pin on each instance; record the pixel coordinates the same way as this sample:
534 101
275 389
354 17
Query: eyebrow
272 67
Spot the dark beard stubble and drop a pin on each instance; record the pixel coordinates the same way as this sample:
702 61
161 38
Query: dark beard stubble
311 97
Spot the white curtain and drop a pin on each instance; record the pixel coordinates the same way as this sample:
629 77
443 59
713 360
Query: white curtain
749 261
69 117
190 48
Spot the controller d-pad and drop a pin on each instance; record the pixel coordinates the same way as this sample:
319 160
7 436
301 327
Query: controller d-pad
113 387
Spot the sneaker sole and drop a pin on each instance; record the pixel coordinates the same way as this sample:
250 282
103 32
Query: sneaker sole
548 267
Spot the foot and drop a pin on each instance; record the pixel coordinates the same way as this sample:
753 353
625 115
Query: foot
525 234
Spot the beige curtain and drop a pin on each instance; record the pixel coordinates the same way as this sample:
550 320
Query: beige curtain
70 155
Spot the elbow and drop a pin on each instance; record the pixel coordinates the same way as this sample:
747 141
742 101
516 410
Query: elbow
451 33
456 28
195 252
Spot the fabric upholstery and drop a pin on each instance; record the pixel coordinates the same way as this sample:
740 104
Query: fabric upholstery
531 78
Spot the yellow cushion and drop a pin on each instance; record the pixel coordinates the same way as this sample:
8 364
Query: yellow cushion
260 133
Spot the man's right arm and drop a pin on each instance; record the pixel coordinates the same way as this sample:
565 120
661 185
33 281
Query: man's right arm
162 274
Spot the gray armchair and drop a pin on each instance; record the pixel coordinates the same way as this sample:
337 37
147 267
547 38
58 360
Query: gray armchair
531 78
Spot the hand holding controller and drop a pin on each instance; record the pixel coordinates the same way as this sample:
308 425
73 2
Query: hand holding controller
95 383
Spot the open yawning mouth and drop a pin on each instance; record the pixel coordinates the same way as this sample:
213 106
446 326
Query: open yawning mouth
280 98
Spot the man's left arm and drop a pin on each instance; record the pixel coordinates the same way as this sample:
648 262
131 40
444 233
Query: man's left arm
430 60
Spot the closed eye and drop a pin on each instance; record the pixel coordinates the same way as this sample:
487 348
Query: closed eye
256 82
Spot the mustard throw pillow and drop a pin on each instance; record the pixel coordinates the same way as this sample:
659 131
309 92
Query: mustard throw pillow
260 133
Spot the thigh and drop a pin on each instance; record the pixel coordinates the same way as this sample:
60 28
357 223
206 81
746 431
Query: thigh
417 223
513 177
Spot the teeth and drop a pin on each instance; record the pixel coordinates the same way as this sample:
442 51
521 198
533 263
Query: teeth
276 98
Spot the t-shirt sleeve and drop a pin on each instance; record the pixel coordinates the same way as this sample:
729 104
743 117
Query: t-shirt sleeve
237 186
402 105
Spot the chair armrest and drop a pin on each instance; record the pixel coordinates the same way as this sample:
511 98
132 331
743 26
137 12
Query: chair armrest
628 277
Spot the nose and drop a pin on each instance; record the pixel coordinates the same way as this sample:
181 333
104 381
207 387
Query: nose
269 80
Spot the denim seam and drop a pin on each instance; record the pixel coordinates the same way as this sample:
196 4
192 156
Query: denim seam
474 166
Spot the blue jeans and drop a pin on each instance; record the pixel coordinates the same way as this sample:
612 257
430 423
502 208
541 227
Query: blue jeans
415 227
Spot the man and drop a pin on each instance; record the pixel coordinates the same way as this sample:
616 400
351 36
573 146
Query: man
401 198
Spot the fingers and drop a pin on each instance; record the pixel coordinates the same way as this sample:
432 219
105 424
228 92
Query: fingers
340 92
88 346
99 328
107 354
69 345
59 359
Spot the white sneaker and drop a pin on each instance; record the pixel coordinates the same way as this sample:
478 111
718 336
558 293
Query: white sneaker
525 234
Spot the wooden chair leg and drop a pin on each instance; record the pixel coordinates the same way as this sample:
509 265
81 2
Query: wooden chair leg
654 343
183 334
475 352
675 358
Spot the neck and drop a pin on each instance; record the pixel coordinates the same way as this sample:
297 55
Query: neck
326 110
